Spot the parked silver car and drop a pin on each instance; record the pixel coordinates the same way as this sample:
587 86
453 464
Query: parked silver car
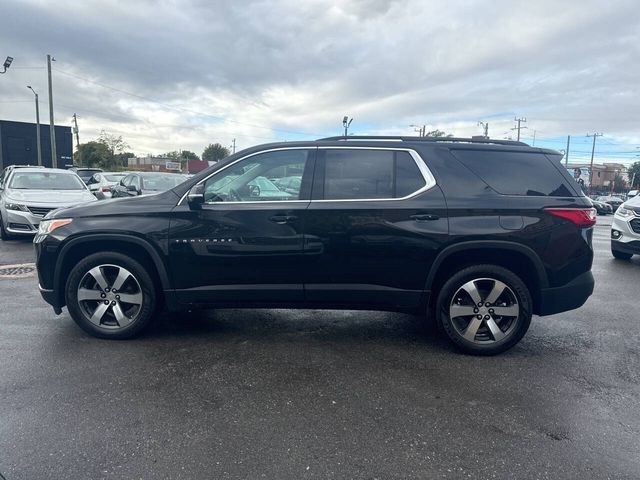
100 183
28 194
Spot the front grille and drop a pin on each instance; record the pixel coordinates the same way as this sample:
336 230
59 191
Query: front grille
635 225
40 211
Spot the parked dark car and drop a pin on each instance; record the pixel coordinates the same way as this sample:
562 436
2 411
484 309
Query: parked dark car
478 234
602 208
612 200
85 173
146 183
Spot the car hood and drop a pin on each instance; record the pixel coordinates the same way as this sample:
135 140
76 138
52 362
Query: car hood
53 198
121 206
633 202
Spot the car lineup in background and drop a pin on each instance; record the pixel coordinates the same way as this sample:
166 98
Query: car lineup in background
28 193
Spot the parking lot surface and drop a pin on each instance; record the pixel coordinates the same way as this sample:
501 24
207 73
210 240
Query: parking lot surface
320 394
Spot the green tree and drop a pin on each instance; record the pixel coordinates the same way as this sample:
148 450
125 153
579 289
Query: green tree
437 133
115 146
634 174
189 155
215 152
122 159
91 154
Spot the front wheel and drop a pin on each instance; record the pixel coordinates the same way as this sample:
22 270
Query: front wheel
484 309
3 233
110 295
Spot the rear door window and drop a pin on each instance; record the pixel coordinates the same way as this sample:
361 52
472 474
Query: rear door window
516 173
370 174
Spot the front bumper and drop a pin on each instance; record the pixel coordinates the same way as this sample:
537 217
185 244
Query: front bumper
51 298
18 222
623 237
567 297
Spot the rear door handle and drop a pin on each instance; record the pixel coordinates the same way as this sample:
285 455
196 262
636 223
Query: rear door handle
282 219
424 217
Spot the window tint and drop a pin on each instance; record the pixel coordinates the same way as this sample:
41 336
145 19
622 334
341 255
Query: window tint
267 176
516 173
363 174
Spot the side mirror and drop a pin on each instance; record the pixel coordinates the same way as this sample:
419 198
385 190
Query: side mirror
195 197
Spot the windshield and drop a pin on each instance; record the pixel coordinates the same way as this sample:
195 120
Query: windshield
162 182
46 181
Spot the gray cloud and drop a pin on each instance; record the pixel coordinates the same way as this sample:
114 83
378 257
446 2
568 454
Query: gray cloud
259 70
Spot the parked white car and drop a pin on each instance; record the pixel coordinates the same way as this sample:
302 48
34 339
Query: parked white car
625 230
100 183
28 194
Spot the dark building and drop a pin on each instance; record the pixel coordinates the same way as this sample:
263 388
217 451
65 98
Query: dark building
18 144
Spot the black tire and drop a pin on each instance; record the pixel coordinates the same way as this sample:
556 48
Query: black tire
3 233
621 255
139 282
516 296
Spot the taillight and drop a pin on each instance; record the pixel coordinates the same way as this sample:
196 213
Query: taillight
105 189
581 217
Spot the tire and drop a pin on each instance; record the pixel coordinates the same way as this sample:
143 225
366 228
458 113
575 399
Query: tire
621 255
491 333
89 286
3 233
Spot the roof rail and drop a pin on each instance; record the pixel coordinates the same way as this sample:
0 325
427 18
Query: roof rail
489 141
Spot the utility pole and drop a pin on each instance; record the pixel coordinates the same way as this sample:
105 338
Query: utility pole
75 130
52 127
518 127
422 130
346 122
485 126
534 138
566 155
37 126
593 149
234 145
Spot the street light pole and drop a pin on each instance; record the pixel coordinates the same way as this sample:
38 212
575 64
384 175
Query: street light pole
52 127
345 123
37 126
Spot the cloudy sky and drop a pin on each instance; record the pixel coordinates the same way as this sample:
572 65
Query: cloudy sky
171 75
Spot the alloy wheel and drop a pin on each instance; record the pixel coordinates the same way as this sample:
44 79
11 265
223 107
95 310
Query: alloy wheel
484 310
110 296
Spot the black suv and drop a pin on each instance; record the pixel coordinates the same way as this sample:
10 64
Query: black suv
480 234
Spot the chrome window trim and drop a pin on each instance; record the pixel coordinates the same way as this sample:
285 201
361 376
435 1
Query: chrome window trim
428 177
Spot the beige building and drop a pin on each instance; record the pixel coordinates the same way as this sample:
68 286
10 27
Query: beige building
603 173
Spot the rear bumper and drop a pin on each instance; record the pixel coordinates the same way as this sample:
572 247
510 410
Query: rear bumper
567 297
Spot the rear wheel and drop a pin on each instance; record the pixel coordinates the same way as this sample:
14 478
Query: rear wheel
484 309
621 255
110 295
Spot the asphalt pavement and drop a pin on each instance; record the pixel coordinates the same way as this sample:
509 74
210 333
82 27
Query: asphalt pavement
320 394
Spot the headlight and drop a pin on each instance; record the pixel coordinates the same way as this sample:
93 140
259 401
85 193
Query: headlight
16 206
48 226
623 212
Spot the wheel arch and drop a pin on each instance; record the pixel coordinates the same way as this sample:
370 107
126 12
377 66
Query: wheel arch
518 258
137 248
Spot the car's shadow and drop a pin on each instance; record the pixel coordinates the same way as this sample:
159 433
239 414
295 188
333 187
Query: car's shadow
325 325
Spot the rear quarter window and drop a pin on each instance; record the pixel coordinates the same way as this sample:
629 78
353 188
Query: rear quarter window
516 173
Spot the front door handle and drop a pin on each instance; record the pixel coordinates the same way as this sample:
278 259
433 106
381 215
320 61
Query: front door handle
424 217
282 219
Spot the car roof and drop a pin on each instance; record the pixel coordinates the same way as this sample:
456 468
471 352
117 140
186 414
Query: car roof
407 142
46 170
